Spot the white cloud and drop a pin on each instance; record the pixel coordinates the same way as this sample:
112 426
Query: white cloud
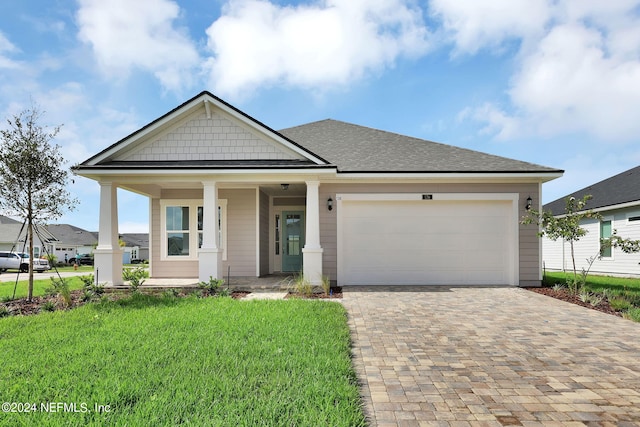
138 34
331 42
474 25
6 47
577 73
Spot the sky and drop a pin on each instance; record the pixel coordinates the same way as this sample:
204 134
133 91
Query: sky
552 82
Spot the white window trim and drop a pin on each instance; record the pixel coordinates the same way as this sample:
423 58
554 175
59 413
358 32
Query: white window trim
193 231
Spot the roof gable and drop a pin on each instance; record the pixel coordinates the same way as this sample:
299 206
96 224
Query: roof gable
205 128
619 189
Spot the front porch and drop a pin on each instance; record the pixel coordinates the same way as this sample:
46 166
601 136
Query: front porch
257 230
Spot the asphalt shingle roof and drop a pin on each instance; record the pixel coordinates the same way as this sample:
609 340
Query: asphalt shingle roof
354 148
72 235
621 188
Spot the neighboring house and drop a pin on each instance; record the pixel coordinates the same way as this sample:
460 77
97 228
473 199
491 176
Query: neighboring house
136 247
72 241
358 205
13 236
617 199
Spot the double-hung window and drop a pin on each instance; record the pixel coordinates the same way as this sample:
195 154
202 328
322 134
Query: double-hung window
182 228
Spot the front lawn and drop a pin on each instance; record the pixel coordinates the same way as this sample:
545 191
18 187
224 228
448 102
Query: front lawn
39 287
620 293
167 361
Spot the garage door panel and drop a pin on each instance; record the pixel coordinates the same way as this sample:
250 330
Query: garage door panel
413 242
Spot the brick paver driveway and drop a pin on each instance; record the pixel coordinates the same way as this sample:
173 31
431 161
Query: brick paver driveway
491 356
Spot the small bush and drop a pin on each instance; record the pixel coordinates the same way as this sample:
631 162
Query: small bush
326 285
135 277
620 304
4 311
60 288
302 286
212 286
48 306
559 286
633 314
91 290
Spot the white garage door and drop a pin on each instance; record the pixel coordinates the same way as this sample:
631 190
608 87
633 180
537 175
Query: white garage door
426 242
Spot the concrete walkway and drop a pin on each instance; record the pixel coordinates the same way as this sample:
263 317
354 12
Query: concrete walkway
491 357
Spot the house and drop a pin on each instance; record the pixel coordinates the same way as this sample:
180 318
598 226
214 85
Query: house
13 237
136 247
72 241
617 199
229 195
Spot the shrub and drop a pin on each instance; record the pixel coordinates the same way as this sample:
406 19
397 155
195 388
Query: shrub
326 285
60 288
620 304
4 311
212 286
135 277
91 290
633 314
302 286
48 306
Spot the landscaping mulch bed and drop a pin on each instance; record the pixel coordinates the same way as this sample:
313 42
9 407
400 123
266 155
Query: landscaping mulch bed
336 293
565 295
22 307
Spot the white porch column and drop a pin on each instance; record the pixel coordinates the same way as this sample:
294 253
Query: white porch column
210 254
312 251
108 255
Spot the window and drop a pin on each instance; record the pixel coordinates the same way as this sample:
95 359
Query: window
635 219
182 228
605 233
177 228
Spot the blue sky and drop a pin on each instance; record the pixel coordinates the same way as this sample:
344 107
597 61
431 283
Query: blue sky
554 82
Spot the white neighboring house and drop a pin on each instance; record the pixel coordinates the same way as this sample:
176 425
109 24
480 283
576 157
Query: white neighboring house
72 241
13 237
617 199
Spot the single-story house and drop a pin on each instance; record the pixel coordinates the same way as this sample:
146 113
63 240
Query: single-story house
228 194
14 237
136 247
617 199
72 241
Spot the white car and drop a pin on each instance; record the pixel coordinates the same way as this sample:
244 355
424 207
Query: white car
20 261
39 264
9 261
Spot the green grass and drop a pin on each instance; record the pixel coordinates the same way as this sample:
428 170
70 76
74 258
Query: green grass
39 287
623 293
166 361
598 283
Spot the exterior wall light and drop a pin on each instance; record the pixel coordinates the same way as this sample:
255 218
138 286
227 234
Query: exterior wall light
528 205
284 187
330 204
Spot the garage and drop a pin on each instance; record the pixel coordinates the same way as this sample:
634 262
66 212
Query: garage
427 239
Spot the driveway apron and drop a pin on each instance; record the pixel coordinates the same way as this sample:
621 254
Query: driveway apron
491 356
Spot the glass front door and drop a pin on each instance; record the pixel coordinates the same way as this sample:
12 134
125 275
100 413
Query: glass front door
293 240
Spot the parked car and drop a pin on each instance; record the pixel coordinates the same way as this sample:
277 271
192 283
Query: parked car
39 264
20 261
9 261
82 259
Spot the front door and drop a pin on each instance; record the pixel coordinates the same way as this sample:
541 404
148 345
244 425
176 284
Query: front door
293 238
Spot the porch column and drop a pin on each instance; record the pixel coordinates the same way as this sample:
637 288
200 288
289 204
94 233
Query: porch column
210 254
312 251
107 256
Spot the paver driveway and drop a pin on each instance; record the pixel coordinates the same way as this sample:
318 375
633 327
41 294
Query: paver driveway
491 356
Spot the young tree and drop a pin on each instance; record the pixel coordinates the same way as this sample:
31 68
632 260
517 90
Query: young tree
565 226
32 179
